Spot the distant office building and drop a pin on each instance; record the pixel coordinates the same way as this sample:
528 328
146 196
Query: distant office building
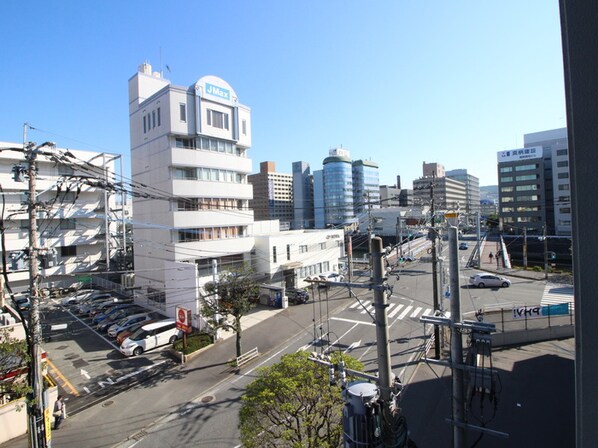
534 184
406 197
432 170
472 189
303 196
319 203
488 208
272 195
389 196
449 194
398 182
338 188
366 186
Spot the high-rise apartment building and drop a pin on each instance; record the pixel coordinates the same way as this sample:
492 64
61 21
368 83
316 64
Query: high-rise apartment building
534 185
472 188
272 195
189 147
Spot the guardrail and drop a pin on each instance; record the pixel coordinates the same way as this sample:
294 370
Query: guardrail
246 357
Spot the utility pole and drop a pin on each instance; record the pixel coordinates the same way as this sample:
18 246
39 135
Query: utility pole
525 247
399 237
434 272
37 422
456 342
545 251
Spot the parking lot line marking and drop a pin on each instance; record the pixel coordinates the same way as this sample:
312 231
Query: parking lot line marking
63 378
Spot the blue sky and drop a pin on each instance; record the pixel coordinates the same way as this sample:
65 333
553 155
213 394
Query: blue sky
398 82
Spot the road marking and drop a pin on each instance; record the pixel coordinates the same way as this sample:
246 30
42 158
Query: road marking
366 305
86 389
416 312
355 305
352 321
395 311
405 312
352 346
85 374
63 378
427 312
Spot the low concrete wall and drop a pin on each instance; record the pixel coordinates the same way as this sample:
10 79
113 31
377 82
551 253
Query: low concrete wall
532 335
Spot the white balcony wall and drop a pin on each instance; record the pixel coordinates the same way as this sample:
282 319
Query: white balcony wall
215 218
212 249
210 159
207 189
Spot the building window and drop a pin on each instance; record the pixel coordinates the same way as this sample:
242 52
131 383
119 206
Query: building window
526 187
217 119
244 127
525 167
526 177
159 117
274 254
564 187
153 118
68 224
181 142
506 199
532 197
65 170
562 164
144 124
288 252
185 173
565 210
564 198
564 222
506 189
563 175
183 112
68 251
303 248
506 169
506 179
561 152
187 204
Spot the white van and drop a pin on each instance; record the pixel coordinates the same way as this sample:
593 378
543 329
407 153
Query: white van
150 336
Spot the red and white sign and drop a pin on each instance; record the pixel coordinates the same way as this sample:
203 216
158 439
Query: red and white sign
183 319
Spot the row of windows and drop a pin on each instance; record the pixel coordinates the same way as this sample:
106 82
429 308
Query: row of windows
151 120
208 174
208 144
523 177
532 197
314 269
208 233
195 204
510 219
536 208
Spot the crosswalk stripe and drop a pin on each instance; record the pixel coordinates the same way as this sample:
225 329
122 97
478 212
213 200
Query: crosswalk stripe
405 312
427 312
395 311
355 305
416 312
366 307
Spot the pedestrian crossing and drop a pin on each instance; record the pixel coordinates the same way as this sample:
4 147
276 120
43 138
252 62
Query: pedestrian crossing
556 293
398 310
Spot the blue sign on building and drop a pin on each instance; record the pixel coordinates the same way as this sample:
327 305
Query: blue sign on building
219 92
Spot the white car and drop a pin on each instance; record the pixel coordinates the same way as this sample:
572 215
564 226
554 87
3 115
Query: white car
150 336
79 296
127 322
493 281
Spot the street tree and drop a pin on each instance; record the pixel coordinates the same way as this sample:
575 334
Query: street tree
229 299
14 359
292 403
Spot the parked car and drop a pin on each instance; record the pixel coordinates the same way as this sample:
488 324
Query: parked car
114 315
22 302
127 322
86 304
151 336
463 246
483 280
120 337
332 277
297 296
79 296
108 307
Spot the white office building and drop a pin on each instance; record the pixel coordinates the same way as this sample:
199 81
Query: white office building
79 219
189 149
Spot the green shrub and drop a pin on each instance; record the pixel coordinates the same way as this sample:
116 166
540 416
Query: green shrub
194 343
538 268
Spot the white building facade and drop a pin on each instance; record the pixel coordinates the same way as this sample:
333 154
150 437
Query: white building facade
78 221
189 148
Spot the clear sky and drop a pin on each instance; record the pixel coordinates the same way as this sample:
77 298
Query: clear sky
398 82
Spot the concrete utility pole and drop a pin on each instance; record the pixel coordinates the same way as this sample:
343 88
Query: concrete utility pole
434 273
525 247
456 342
37 423
399 237
545 238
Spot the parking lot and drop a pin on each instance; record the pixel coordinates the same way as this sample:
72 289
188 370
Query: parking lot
86 363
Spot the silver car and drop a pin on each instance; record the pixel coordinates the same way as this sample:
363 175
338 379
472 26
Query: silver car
493 281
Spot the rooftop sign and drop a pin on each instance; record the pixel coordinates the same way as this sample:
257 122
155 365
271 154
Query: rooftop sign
513 155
